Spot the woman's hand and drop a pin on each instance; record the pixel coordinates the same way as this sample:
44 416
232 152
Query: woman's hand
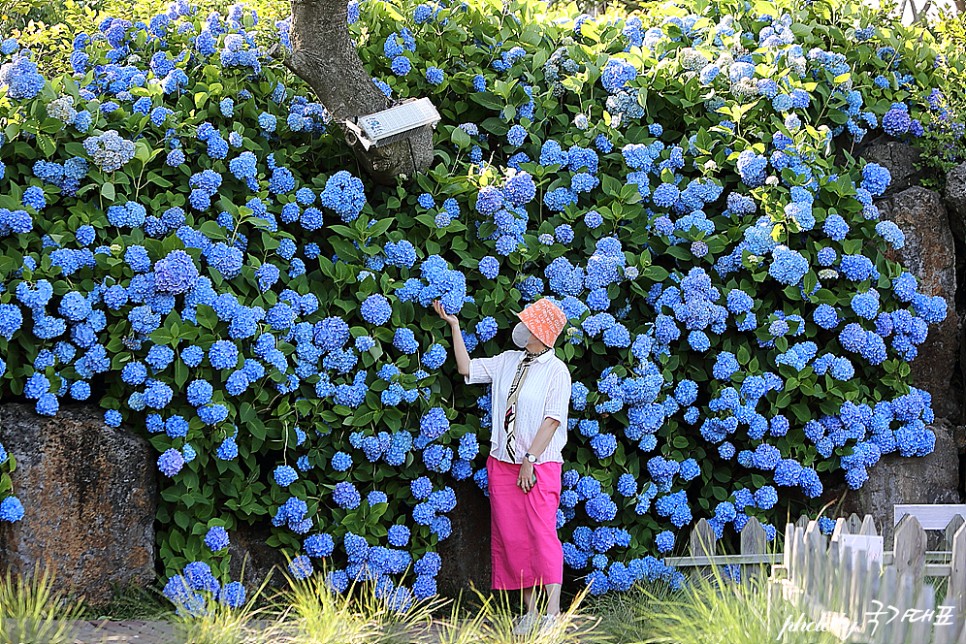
451 319
459 346
526 480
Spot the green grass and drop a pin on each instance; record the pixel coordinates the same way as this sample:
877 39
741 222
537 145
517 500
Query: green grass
31 610
223 625
576 625
133 603
627 617
709 609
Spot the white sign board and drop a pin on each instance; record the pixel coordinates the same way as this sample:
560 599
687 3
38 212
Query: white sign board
870 544
934 516
391 124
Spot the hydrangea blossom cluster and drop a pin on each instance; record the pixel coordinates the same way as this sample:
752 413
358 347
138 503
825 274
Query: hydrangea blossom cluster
232 300
196 586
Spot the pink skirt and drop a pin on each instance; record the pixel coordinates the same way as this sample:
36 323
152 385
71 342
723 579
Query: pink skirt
525 548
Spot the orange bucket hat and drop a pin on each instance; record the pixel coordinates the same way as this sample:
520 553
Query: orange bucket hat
544 319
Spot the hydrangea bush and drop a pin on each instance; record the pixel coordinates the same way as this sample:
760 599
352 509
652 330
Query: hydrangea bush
186 242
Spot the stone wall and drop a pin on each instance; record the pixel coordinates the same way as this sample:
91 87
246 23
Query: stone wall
466 553
929 253
934 225
895 479
91 498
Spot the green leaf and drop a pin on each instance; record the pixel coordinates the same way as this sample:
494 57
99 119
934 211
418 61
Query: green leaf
46 143
611 186
460 138
212 230
488 100
161 336
656 273
380 227
344 231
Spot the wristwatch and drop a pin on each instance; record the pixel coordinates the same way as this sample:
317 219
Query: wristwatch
530 457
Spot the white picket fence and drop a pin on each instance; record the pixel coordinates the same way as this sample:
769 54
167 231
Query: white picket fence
839 586
889 601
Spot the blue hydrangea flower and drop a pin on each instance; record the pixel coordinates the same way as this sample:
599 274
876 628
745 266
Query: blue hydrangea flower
216 538
170 462
434 75
376 309
11 509
175 273
319 545
345 495
301 567
285 475
232 594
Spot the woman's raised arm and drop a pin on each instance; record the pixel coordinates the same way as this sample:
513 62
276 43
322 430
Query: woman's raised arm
459 347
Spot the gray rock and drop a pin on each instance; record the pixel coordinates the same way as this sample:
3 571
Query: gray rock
929 254
466 553
252 560
90 498
959 434
899 158
933 478
955 195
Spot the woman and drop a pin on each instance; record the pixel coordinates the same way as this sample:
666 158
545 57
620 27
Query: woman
530 398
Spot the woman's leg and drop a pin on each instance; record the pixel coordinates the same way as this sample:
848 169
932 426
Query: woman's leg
553 599
529 599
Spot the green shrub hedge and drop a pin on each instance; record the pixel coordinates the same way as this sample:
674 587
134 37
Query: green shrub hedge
187 242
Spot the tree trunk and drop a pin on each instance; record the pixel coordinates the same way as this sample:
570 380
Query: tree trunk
324 56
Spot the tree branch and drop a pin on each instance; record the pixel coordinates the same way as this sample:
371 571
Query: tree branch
324 56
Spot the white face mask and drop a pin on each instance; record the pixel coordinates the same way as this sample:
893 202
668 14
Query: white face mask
521 335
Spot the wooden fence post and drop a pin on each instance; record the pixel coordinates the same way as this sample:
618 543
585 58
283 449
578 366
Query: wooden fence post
854 522
921 631
754 541
841 527
815 559
956 591
798 562
702 545
840 569
787 550
903 600
859 587
868 527
952 528
835 584
886 595
702 540
910 548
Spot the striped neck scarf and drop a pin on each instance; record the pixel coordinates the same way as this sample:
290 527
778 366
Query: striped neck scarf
511 402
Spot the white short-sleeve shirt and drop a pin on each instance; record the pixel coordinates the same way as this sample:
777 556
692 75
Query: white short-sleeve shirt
545 394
